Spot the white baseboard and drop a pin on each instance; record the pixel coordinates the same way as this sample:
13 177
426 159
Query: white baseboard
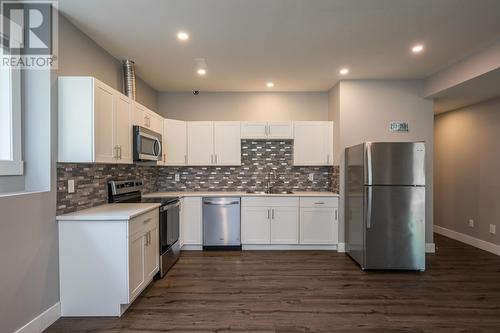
341 248
289 247
473 241
430 248
43 320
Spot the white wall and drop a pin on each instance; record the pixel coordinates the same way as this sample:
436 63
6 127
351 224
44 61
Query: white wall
367 107
245 106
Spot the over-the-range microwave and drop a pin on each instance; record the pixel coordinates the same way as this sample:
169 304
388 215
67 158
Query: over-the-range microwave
147 144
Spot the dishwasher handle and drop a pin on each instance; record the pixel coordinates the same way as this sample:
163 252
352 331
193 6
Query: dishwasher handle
221 203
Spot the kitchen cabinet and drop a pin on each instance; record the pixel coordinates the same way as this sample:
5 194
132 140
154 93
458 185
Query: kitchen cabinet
319 221
147 118
267 130
94 122
105 264
313 143
270 220
174 142
191 221
213 143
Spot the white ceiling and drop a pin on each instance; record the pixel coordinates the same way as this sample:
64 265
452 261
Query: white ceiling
298 44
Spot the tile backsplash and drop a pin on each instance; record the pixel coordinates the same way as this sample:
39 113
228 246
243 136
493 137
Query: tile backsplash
258 159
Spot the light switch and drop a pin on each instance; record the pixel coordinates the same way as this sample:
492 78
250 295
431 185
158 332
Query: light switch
493 229
177 177
311 177
71 186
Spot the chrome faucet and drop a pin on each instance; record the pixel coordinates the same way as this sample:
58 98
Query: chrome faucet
270 184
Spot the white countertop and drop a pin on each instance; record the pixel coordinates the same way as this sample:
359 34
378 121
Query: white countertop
236 194
109 212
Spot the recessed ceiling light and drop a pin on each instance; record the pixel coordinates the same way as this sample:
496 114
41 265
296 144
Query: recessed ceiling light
344 71
270 84
417 48
201 71
181 35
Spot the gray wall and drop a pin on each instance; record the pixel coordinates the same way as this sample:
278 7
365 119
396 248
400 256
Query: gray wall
80 55
365 108
245 106
467 162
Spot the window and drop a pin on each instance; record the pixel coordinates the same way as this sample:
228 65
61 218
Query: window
10 122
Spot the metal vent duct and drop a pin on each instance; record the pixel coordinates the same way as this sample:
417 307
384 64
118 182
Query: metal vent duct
129 78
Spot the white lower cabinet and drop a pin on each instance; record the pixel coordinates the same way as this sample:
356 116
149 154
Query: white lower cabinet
319 221
191 221
269 221
105 264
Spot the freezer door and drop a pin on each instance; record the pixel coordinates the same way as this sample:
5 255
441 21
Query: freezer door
354 228
394 163
395 227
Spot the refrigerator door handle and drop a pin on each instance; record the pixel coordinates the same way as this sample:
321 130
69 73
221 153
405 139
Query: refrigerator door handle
369 171
369 194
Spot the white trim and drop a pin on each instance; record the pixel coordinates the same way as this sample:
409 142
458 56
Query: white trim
473 241
341 248
43 320
430 248
11 168
289 247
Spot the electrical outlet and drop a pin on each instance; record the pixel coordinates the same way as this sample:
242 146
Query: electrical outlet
71 186
471 223
311 177
493 229
177 177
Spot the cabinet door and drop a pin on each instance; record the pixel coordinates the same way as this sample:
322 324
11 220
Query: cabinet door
284 225
200 143
152 253
311 143
174 142
280 130
255 225
136 264
329 143
317 226
139 115
253 130
123 128
103 124
227 142
191 233
155 122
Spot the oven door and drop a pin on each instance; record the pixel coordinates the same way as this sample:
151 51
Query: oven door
169 225
147 145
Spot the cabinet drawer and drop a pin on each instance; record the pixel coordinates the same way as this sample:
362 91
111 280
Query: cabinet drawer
144 222
318 202
269 202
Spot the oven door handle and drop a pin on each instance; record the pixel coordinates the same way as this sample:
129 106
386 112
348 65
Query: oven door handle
167 207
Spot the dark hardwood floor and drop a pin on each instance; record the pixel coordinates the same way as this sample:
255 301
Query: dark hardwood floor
311 292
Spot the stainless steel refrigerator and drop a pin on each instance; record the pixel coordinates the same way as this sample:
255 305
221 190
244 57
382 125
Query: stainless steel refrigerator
385 205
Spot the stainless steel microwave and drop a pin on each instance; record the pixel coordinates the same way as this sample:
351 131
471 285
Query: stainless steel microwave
147 144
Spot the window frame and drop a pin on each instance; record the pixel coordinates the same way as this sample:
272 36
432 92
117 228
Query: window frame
15 165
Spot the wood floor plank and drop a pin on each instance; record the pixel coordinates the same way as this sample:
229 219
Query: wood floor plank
313 291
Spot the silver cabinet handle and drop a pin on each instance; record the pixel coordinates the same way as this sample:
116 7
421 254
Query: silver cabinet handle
115 152
120 149
328 159
215 158
185 159
319 203
336 214
212 159
272 215
268 214
147 220
146 239
149 236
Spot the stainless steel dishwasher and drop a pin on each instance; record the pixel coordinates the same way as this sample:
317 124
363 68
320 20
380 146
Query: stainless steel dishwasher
221 223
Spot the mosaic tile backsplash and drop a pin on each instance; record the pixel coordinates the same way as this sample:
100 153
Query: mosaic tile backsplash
259 160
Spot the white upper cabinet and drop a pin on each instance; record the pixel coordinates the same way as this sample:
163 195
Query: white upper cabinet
94 122
147 118
313 144
174 142
267 130
227 143
200 140
213 143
